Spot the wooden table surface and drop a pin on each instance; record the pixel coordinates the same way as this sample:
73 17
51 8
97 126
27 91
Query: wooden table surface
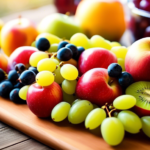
10 138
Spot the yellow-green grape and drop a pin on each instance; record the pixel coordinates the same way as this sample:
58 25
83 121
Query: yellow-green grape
146 125
52 38
69 72
80 39
36 57
131 121
69 87
56 61
46 64
114 44
120 51
121 62
112 131
124 102
33 44
77 100
45 78
95 118
54 57
23 92
58 77
60 111
79 111
68 98
53 48
98 41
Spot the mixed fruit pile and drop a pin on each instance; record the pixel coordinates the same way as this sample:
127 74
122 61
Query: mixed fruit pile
67 75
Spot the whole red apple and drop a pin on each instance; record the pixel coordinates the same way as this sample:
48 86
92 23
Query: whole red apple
97 87
20 55
41 100
137 61
95 58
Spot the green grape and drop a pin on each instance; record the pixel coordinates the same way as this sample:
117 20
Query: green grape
23 92
69 87
112 131
77 100
69 72
98 41
146 125
60 111
130 121
95 118
68 98
33 44
53 48
79 111
55 61
120 51
58 77
52 38
36 57
115 114
114 44
80 39
124 102
121 62
45 78
46 64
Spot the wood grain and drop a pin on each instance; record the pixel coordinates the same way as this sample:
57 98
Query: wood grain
63 135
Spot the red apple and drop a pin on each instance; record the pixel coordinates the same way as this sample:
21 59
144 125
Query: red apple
20 55
16 33
97 87
95 58
137 61
41 100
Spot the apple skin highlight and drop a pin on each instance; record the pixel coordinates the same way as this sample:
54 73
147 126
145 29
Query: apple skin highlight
97 87
137 60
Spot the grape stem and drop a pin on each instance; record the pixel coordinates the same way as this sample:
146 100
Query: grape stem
106 106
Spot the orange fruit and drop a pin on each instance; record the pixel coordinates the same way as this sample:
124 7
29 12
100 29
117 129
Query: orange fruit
102 17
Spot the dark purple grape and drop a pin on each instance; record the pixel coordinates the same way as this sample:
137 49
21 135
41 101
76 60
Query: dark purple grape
42 44
33 69
73 48
114 70
19 85
27 77
125 79
14 96
20 67
13 76
80 50
64 54
62 44
5 88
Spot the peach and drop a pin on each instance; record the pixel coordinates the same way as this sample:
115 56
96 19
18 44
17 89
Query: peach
3 62
16 33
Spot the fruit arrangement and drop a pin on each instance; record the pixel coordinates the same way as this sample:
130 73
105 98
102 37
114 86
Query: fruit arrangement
85 79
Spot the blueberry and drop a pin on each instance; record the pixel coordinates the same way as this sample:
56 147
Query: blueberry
42 44
74 49
13 76
33 69
5 88
114 70
80 51
64 54
125 79
20 67
62 44
27 77
19 85
14 96
2 75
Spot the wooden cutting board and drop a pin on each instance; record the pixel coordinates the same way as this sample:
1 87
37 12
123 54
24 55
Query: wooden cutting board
63 135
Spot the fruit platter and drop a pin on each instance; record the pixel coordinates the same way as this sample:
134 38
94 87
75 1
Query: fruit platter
69 83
